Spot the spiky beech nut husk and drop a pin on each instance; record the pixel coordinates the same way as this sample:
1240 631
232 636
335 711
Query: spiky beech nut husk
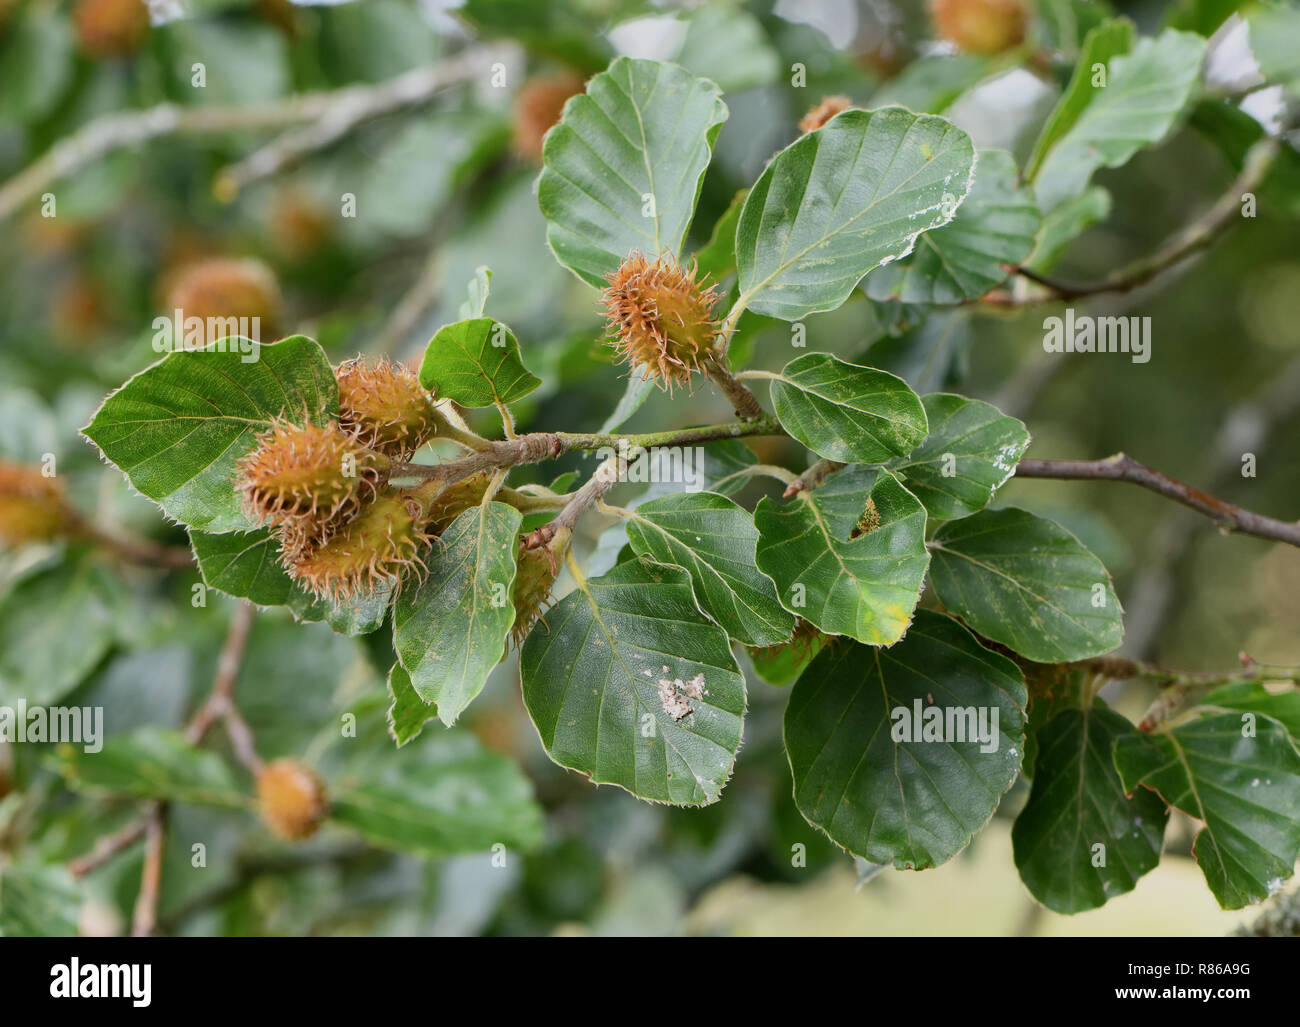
380 545
455 499
385 407
538 107
980 26
823 112
307 471
110 28
32 507
660 319
291 798
226 287
537 567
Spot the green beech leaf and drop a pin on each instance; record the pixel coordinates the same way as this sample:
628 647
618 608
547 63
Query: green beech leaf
622 169
55 627
152 763
967 257
38 901
843 200
631 685
635 393
845 412
912 798
1077 803
1101 45
1145 92
407 713
1274 29
451 631
476 363
445 793
246 564
714 539
730 46
1064 223
1242 782
177 428
849 556
971 451
1253 697
479 287
782 664
1028 583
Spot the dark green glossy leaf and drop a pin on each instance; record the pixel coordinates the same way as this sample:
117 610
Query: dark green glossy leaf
1079 803
631 685
845 412
970 452
714 539
1028 583
887 795
849 556
1243 787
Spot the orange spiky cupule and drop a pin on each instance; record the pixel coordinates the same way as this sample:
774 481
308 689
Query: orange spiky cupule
823 112
455 499
110 28
536 569
309 471
538 107
980 26
33 508
378 546
291 798
384 406
660 319
225 287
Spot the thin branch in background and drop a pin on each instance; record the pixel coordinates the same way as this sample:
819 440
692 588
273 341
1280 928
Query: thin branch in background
328 115
1121 467
1192 239
139 551
145 918
1245 429
218 706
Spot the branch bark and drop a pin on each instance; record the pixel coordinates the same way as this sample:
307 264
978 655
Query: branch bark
1121 467
328 114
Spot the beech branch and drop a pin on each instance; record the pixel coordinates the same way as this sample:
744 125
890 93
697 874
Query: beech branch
326 116
218 706
1121 467
1197 236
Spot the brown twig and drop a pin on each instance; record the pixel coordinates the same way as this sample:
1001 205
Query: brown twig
328 115
218 706
1193 238
145 918
1121 467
